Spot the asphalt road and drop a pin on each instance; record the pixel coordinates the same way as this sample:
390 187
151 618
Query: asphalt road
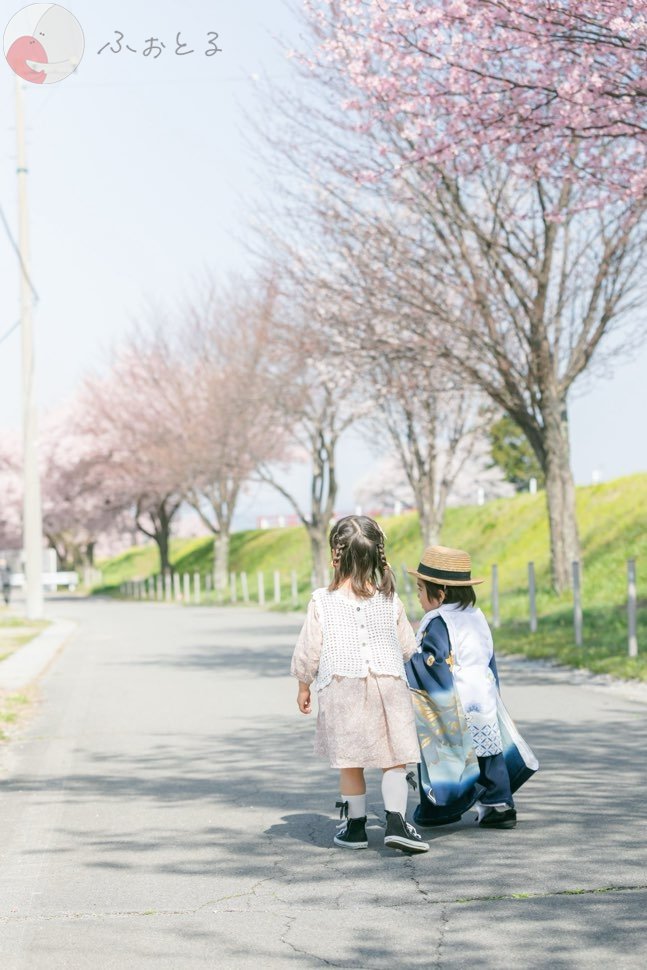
161 809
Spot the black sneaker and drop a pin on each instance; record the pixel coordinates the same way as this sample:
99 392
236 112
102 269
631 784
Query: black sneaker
401 835
352 834
497 819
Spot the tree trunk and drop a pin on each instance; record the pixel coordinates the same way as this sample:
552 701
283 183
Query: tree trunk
221 562
320 551
429 529
89 553
560 497
429 521
160 532
60 547
162 539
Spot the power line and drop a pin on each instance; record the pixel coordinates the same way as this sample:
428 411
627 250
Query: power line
18 254
9 331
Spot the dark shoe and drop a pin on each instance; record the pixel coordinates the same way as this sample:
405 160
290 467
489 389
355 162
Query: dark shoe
430 823
352 834
401 835
496 819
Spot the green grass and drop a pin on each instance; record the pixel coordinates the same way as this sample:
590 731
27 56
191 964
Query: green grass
15 631
612 519
12 708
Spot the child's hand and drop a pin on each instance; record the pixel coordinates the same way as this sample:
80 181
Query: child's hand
303 699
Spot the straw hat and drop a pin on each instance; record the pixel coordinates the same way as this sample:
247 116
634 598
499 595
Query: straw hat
446 567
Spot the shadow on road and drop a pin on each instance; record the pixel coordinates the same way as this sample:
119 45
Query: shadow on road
248 806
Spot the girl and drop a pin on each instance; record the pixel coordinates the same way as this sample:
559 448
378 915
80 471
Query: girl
454 637
351 649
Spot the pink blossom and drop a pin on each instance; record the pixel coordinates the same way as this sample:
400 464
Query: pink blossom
491 80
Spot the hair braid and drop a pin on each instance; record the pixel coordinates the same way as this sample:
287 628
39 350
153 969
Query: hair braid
357 550
337 552
382 554
387 585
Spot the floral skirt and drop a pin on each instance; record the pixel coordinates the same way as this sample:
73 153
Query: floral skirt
366 722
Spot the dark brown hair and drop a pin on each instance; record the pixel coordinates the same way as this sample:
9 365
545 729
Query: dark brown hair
464 595
357 546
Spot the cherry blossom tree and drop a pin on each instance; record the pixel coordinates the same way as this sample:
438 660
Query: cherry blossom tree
434 425
466 83
226 336
182 413
79 502
386 486
138 418
314 400
517 266
517 301
10 492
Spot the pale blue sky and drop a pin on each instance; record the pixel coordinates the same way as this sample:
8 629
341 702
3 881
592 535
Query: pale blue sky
140 178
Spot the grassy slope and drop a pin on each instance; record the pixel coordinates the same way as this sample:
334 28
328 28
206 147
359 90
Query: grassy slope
511 532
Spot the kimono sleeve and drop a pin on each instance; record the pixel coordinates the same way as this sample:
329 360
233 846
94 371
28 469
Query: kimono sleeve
436 640
305 659
406 636
426 670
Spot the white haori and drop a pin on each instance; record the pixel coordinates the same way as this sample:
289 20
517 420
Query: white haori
471 642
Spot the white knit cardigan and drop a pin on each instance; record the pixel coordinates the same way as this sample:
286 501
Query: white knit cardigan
359 636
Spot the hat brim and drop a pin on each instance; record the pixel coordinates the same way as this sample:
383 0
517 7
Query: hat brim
446 582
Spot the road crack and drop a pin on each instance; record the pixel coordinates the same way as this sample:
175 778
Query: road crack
442 932
519 897
444 903
289 922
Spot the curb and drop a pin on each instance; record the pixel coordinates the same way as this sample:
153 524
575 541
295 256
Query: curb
633 690
31 660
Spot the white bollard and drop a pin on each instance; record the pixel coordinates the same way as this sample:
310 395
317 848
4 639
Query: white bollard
158 587
496 618
233 593
408 586
176 587
245 587
577 604
631 608
277 586
167 587
196 588
295 588
186 588
532 593
261 589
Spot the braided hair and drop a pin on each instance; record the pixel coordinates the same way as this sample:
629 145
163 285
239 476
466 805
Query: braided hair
357 546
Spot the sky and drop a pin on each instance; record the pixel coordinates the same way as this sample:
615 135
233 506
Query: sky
143 175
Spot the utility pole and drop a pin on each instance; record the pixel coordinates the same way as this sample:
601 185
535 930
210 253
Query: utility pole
32 513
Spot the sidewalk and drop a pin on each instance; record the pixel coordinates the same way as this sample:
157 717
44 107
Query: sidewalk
31 660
